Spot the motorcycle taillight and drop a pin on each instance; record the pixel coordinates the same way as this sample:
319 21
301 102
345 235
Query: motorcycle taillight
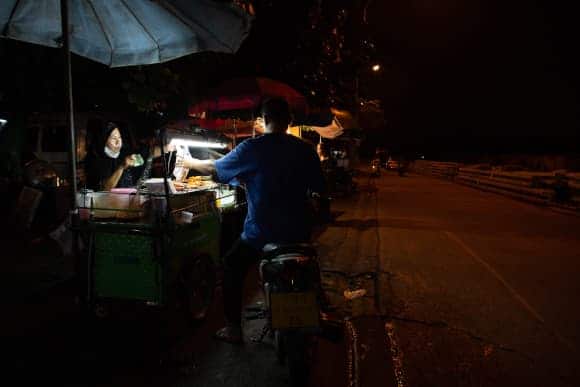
303 259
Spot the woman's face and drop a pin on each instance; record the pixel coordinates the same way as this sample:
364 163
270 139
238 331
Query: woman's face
115 141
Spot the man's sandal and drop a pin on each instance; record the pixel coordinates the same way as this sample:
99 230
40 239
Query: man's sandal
230 334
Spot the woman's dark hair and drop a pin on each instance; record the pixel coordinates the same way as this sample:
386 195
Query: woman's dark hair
110 127
100 138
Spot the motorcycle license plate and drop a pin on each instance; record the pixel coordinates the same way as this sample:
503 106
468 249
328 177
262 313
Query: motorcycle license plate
294 310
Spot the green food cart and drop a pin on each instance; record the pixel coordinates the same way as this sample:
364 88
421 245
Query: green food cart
152 248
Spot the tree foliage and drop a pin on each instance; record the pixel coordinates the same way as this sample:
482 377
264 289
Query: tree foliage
150 88
336 45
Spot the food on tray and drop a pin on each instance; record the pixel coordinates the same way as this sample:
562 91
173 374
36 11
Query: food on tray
199 182
179 186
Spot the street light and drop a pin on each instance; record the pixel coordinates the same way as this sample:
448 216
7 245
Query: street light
375 68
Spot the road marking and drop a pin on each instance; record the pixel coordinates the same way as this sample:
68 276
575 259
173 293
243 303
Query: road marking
396 354
352 361
507 286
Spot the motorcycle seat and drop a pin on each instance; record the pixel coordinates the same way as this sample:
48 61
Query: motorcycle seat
272 250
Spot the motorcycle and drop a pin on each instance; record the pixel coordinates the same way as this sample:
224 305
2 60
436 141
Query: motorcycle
295 307
402 168
293 294
376 168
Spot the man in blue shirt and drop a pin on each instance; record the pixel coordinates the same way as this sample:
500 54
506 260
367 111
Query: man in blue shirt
278 171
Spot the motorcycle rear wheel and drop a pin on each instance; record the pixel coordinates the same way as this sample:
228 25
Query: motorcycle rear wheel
280 348
297 346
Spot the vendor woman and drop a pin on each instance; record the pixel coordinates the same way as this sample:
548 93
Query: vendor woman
110 164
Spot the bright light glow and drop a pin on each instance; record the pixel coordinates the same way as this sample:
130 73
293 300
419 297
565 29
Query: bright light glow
197 144
3 122
227 200
376 67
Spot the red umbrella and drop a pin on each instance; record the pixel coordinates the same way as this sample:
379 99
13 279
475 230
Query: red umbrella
232 128
246 94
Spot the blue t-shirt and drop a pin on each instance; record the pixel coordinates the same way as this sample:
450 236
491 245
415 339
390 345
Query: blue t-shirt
278 171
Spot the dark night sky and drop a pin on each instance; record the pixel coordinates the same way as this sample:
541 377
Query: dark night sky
481 68
463 70
499 73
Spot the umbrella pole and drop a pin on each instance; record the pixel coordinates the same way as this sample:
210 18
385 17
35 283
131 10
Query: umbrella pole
253 127
69 104
74 219
235 134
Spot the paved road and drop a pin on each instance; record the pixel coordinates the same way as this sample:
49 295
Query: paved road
463 288
479 290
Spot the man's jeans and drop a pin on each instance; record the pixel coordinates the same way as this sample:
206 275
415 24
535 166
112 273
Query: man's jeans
237 262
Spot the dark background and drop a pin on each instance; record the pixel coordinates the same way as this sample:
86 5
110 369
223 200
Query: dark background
457 76
496 75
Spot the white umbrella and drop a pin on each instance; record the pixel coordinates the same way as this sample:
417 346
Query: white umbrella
128 32
123 32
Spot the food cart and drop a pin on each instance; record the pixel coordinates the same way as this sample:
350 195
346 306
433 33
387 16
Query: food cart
157 244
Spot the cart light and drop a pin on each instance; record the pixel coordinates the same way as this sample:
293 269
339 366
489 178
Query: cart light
197 144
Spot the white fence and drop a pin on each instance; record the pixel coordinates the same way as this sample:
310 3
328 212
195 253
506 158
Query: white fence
559 189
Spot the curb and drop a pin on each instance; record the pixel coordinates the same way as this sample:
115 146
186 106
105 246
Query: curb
537 201
544 203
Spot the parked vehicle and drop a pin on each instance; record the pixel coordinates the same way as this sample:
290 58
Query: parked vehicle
291 282
403 166
296 310
376 168
392 164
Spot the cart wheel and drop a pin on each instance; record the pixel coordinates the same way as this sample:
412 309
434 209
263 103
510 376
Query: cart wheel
198 282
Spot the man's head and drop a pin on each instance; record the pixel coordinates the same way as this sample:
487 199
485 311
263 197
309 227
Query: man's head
276 115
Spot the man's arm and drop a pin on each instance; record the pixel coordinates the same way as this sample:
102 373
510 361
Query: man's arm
205 167
236 164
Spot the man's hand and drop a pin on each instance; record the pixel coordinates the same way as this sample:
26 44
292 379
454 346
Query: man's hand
205 167
184 161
